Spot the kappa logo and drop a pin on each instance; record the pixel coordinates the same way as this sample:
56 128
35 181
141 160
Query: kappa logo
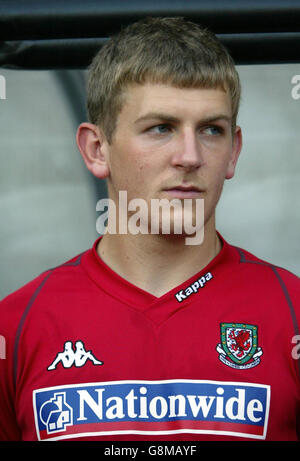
77 358
239 345
193 288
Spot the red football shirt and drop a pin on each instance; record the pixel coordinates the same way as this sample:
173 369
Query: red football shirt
89 356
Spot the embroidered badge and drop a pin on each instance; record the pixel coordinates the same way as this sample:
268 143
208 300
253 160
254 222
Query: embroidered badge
77 358
239 345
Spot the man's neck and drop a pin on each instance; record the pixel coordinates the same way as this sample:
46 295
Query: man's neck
157 263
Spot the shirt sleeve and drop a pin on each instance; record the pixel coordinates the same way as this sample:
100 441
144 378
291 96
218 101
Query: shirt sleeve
290 285
9 430
12 309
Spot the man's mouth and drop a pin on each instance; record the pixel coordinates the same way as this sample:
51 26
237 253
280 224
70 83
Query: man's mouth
184 191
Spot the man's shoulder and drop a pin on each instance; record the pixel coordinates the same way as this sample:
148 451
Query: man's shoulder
16 301
255 264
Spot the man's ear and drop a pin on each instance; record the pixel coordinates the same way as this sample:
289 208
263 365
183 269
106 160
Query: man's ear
235 153
92 145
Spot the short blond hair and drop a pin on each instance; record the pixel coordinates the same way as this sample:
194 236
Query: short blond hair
170 51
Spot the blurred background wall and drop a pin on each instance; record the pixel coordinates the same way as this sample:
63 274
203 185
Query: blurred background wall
48 198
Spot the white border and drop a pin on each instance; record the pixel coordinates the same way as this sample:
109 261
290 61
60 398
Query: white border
163 381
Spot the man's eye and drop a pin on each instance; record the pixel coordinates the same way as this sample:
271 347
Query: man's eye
213 130
160 129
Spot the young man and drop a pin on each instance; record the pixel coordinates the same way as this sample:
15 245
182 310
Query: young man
144 337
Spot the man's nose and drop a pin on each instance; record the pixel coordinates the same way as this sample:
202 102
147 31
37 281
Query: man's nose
188 151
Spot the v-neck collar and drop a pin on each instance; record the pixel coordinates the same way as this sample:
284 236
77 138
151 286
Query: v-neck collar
157 309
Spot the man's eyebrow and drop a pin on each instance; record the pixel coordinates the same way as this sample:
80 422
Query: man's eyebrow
157 116
171 118
216 117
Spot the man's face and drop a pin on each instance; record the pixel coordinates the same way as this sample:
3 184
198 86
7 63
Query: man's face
168 139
